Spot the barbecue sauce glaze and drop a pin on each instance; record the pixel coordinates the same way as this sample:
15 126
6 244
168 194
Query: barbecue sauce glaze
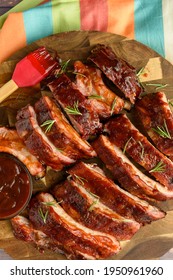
15 187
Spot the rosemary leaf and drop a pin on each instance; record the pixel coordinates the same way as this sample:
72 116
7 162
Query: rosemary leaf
42 215
163 131
50 203
48 125
78 73
170 102
93 205
142 149
113 105
73 110
125 146
158 86
160 167
94 96
140 71
64 66
80 179
93 194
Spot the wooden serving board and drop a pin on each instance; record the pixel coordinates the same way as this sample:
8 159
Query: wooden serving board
151 241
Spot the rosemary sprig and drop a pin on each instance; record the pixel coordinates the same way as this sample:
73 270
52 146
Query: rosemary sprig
64 66
73 110
94 96
42 215
94 195
50 203
48 124
140 72
113 105
142 149
163 131
158 86
126 144
170 102
80 179
93 205
94 202
78 73
160 167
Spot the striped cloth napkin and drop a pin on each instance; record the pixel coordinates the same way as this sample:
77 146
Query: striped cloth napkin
150 22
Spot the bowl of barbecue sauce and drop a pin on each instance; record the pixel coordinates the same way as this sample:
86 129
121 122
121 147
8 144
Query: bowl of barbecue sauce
15 186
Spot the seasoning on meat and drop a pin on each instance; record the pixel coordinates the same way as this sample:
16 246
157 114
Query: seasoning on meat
75 237
126 136
37 142
78 108
114 197
157 119
90 83
86 208
126 173
61 134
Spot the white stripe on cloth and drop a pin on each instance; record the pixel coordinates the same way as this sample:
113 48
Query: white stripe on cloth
167 10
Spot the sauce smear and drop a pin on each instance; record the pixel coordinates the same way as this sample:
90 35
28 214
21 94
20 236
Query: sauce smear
15 187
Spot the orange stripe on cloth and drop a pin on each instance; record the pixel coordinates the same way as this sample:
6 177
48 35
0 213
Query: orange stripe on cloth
121 17
12 35
93 15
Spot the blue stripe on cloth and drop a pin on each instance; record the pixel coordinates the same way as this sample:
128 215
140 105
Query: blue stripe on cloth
38 22
149 24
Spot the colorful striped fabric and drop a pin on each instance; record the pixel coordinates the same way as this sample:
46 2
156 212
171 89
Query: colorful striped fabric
150 22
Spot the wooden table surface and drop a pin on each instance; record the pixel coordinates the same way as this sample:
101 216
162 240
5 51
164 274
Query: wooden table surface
6 5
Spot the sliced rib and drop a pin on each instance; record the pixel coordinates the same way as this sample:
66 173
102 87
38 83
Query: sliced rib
119 200
66 93
62 134
11 143
61 227
126 173
24 230
117 70
85 207
90 83
126 136
36 140
154 113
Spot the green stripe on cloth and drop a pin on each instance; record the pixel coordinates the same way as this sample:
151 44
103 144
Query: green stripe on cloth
66 15
22 6
149 24
38 22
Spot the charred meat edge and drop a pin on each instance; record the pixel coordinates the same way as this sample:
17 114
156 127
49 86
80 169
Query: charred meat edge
121 73
86 121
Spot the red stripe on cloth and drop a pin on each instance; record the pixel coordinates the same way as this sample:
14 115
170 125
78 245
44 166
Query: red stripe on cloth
94 15
43 2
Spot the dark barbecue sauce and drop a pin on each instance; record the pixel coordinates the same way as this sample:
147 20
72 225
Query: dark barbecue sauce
15 187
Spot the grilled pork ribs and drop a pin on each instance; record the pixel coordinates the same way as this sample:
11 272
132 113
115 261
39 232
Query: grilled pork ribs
88 214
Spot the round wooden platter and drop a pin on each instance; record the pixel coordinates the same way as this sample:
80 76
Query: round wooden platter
151 241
